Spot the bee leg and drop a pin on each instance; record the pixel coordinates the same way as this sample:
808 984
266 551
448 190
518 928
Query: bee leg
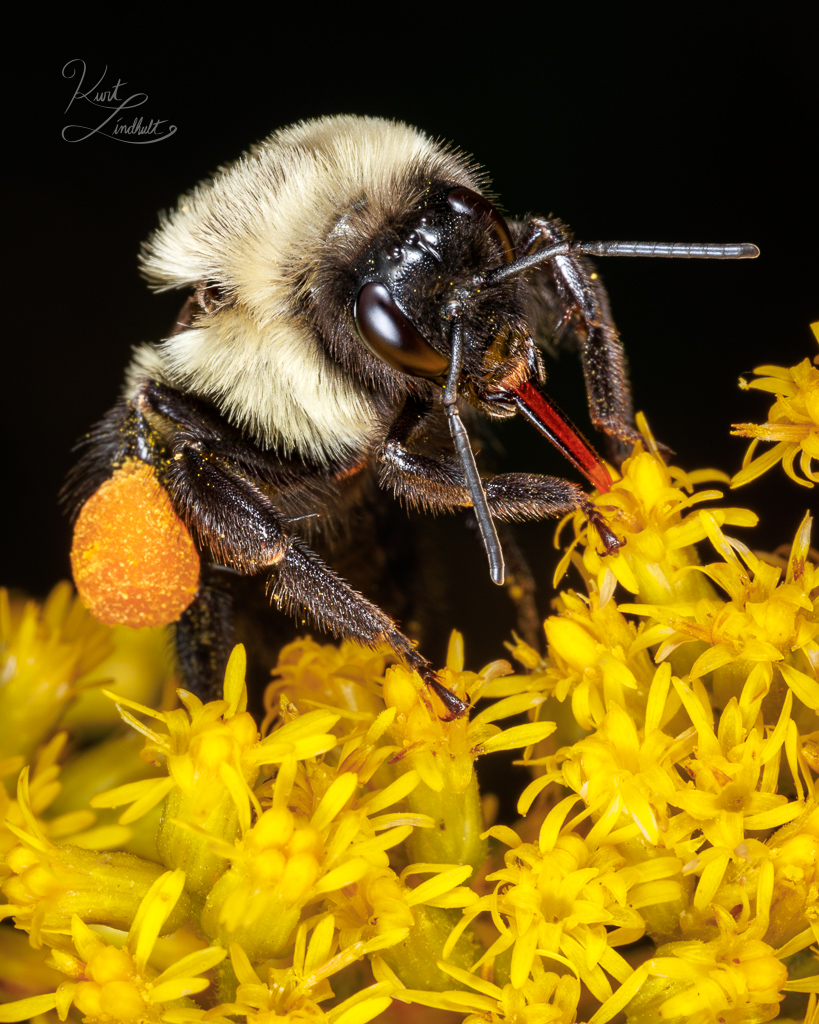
210 474
582 297
238 522
302 582
522 496
205 638
435 483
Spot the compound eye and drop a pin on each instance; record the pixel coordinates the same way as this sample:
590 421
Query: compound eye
389 334
464 200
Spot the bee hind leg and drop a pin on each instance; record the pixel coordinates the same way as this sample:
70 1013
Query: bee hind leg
205 637
237 521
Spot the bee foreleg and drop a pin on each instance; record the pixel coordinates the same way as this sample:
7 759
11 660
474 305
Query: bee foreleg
583 298
435 483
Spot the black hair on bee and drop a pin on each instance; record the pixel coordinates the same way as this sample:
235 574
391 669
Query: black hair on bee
352 287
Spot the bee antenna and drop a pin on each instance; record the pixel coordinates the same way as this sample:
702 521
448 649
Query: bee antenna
667 250
460 439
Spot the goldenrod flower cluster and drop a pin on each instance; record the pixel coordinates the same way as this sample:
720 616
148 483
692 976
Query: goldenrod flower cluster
792 422
338 862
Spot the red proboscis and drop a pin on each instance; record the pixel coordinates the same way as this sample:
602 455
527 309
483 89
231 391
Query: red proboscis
555 425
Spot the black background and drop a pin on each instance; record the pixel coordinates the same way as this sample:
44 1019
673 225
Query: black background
685 130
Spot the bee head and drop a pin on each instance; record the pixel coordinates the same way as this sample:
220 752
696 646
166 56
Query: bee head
426 273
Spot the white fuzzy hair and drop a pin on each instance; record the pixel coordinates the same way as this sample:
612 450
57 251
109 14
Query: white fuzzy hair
256 231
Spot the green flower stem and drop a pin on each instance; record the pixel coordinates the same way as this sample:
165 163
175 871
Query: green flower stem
415 959
456 838
181 847
268 935
101 888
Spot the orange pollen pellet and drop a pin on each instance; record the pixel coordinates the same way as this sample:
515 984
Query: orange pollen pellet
133 559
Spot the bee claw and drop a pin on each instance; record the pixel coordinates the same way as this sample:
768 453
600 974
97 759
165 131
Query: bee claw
456 708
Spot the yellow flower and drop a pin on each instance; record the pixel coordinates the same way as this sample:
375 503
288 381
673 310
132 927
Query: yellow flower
736 977
794 853
593 655
621 777
559 897
213 754
46 655
649 509
735 774
109 983
430 905
294 994
316 838
793 422
347 676
382 902
765 623
49 883
443 751
544 998
41 787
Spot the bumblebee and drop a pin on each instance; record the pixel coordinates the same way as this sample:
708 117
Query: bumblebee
353 289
